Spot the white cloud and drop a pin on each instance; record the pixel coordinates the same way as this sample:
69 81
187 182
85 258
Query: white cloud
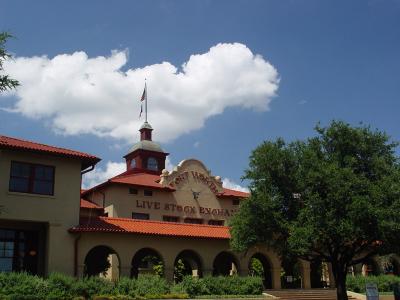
77 94
196 144
168 164
100 175
229 184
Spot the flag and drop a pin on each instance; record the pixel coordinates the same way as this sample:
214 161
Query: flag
144 97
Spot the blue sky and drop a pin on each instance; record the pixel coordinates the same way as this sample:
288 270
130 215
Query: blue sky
334 60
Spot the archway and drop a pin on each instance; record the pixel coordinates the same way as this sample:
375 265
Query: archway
147 261
259 265
390 264
102 261
317 274
370 267
291 273
187 263
225 264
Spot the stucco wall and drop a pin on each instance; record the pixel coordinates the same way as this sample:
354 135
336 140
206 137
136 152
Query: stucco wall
60 211
164 203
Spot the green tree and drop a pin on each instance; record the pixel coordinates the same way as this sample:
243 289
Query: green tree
334 197
6 83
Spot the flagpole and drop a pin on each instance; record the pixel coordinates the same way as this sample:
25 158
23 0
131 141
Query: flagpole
145 86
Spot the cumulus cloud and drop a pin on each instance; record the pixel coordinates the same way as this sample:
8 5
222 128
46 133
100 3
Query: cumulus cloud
102 174
229 184
78 94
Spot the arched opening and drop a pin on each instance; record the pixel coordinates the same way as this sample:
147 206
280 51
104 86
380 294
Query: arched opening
291 273
147 261
259 265
317 274
370 267
187 263
389 264
225 264
102 261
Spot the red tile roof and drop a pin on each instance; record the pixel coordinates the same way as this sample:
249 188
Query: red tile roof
234 193
13 143
90 205
122 225
136 179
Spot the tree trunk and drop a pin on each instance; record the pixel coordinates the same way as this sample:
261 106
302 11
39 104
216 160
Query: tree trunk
340 273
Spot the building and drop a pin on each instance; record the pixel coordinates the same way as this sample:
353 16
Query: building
143 220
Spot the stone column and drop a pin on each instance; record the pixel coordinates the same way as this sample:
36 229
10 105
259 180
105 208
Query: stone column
276 278
125 271
305 274
169 273
332 283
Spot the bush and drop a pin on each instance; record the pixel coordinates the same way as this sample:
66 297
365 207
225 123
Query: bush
89 287
192 286
125 286
232 285
22 286
384 282
151 285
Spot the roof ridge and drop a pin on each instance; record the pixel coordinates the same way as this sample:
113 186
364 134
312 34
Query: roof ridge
41 144
161 222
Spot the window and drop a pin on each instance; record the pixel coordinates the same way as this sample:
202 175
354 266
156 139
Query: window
235 201
140 216
133 191
31 178
170 219
216 222
132 163
193 221
152 164
148 193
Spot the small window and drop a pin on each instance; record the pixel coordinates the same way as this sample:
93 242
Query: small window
133 191
152 164
171 219
216 222
31 178
193 221
235 201
140 216
132 163
148 193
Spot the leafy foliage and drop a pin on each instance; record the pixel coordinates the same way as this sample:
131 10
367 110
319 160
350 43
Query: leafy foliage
6 83
384 283
334 197
221 285
58 286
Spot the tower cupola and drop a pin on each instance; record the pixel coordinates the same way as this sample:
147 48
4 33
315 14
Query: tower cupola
146 155
145 131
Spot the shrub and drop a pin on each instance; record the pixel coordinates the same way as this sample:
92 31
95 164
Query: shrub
384 282
151 285
192 286
60 286
230 285
125 286
89 287
22 286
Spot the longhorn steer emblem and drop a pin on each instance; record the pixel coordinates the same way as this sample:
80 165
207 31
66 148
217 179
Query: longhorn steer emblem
195 195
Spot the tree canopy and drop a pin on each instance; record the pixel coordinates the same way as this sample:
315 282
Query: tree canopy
334 197
6 83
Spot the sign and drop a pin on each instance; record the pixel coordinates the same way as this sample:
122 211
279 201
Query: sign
188 209
371 291
191 171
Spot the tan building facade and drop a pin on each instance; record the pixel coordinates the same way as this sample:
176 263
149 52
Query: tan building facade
145 220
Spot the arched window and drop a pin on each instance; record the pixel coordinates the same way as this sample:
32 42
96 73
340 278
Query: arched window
152 164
